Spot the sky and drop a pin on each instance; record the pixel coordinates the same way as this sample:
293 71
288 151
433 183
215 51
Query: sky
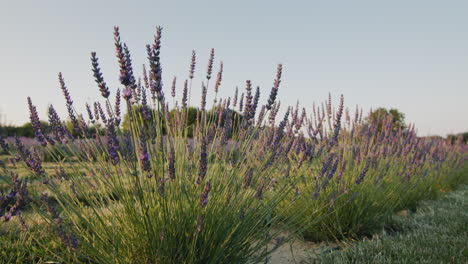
409 55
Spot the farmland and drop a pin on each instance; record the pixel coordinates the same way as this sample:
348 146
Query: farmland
152 175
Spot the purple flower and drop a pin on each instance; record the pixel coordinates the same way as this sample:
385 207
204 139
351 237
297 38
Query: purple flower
219 78
36 124
98 76
127 94
61 174
112 142
32 160
144 106
184 96
155 76
67 236
203 161
171 165
145 77
340 172
210 65
242 214
316 193
56 125
300 121
117 107
241 103
364 171
123 56
338 121
248 100
279 131
96 110
204 195
90 113
192 65
259 193
255 103
203 99
101 112
20 192
69 103
173 87
137 92
274 111
274 90
326 165
234 102
248 179
161 188
144 157
129 68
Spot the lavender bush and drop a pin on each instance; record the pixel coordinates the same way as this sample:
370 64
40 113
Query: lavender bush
152 193
357 175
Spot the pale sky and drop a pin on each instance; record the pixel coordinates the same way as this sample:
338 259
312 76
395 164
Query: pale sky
409 55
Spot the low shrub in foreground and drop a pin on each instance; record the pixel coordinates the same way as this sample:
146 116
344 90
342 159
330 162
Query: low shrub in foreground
358 178
435 233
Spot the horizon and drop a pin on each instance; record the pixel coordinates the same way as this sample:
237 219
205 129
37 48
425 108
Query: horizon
408 56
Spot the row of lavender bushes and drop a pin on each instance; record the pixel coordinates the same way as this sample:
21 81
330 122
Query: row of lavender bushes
156 188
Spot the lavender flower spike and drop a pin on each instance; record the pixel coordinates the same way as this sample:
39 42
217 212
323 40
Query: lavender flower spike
121 56
144 157
204 195
234 102
36 124
192 65
255 103
98 76
259 193
69 103
32 160
155 67
117 107
184 95
90 113
364 172
203 162
56 125
144 106
219 78
203 99
173 87
210 65
248 99
171 165
112 142
274 90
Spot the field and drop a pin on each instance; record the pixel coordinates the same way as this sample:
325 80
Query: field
145 178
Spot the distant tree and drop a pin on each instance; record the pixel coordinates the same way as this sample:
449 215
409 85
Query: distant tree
192 113
454 137
379 117
25 130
